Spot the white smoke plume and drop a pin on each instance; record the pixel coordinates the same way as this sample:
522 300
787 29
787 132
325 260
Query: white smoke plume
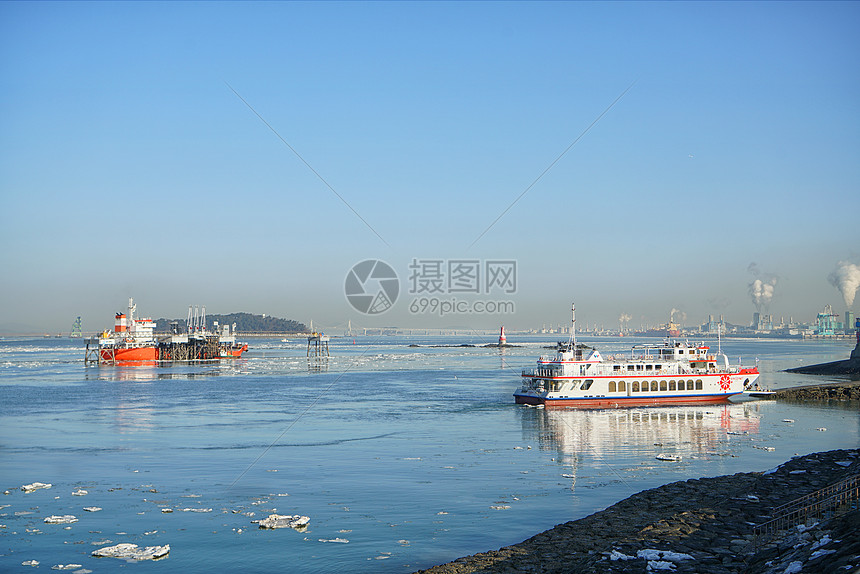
846 278
681 315
762 292
624 318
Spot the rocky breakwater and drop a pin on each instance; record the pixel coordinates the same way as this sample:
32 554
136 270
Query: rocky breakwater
850 366
847 392
700 525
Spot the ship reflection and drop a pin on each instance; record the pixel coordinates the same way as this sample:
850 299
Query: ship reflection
154 371
637 435
318 364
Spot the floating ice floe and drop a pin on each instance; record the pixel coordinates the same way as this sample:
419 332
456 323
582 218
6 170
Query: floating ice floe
30 563
166 510
788 420
501 507
80 492
193 509
341 540
668 457
92 508
822 429
35 486
767 448
283 521
66 567
129 551
64 519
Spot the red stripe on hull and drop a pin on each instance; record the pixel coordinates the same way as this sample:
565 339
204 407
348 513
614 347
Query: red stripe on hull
620 402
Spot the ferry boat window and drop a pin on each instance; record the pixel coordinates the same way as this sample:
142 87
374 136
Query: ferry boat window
649 367
689 385
634 388
587 384
638 367
662 385
630 367
671 385
698 384
622 386
616 367
653 385
611 386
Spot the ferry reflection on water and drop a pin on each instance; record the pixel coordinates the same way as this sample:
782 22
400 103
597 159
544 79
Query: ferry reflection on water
639 435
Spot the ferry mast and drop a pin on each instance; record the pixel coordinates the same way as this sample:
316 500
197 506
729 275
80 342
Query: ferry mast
572 339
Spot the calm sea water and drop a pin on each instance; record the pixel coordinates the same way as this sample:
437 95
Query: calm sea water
403 457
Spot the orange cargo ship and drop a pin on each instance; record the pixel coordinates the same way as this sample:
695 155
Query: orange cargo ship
133 341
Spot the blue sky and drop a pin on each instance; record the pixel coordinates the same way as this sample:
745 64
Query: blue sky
128 167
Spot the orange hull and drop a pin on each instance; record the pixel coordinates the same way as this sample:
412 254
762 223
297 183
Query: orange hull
233 352
130 354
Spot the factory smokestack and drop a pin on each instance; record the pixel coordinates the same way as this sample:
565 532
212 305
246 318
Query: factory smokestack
846 278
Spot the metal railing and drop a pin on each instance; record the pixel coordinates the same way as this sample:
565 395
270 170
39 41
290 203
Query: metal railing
818 504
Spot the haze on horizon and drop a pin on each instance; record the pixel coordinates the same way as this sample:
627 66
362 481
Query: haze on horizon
245 156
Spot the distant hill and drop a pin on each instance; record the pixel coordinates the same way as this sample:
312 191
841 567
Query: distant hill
245 322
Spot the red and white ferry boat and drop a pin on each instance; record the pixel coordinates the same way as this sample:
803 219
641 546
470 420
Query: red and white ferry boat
674 372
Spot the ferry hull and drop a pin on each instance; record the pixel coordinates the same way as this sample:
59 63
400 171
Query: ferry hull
620 402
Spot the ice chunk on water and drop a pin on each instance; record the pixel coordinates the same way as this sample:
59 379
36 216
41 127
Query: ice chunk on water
30 563
64 519
66 567
92 508
80 492
129 551
284 521
35 486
